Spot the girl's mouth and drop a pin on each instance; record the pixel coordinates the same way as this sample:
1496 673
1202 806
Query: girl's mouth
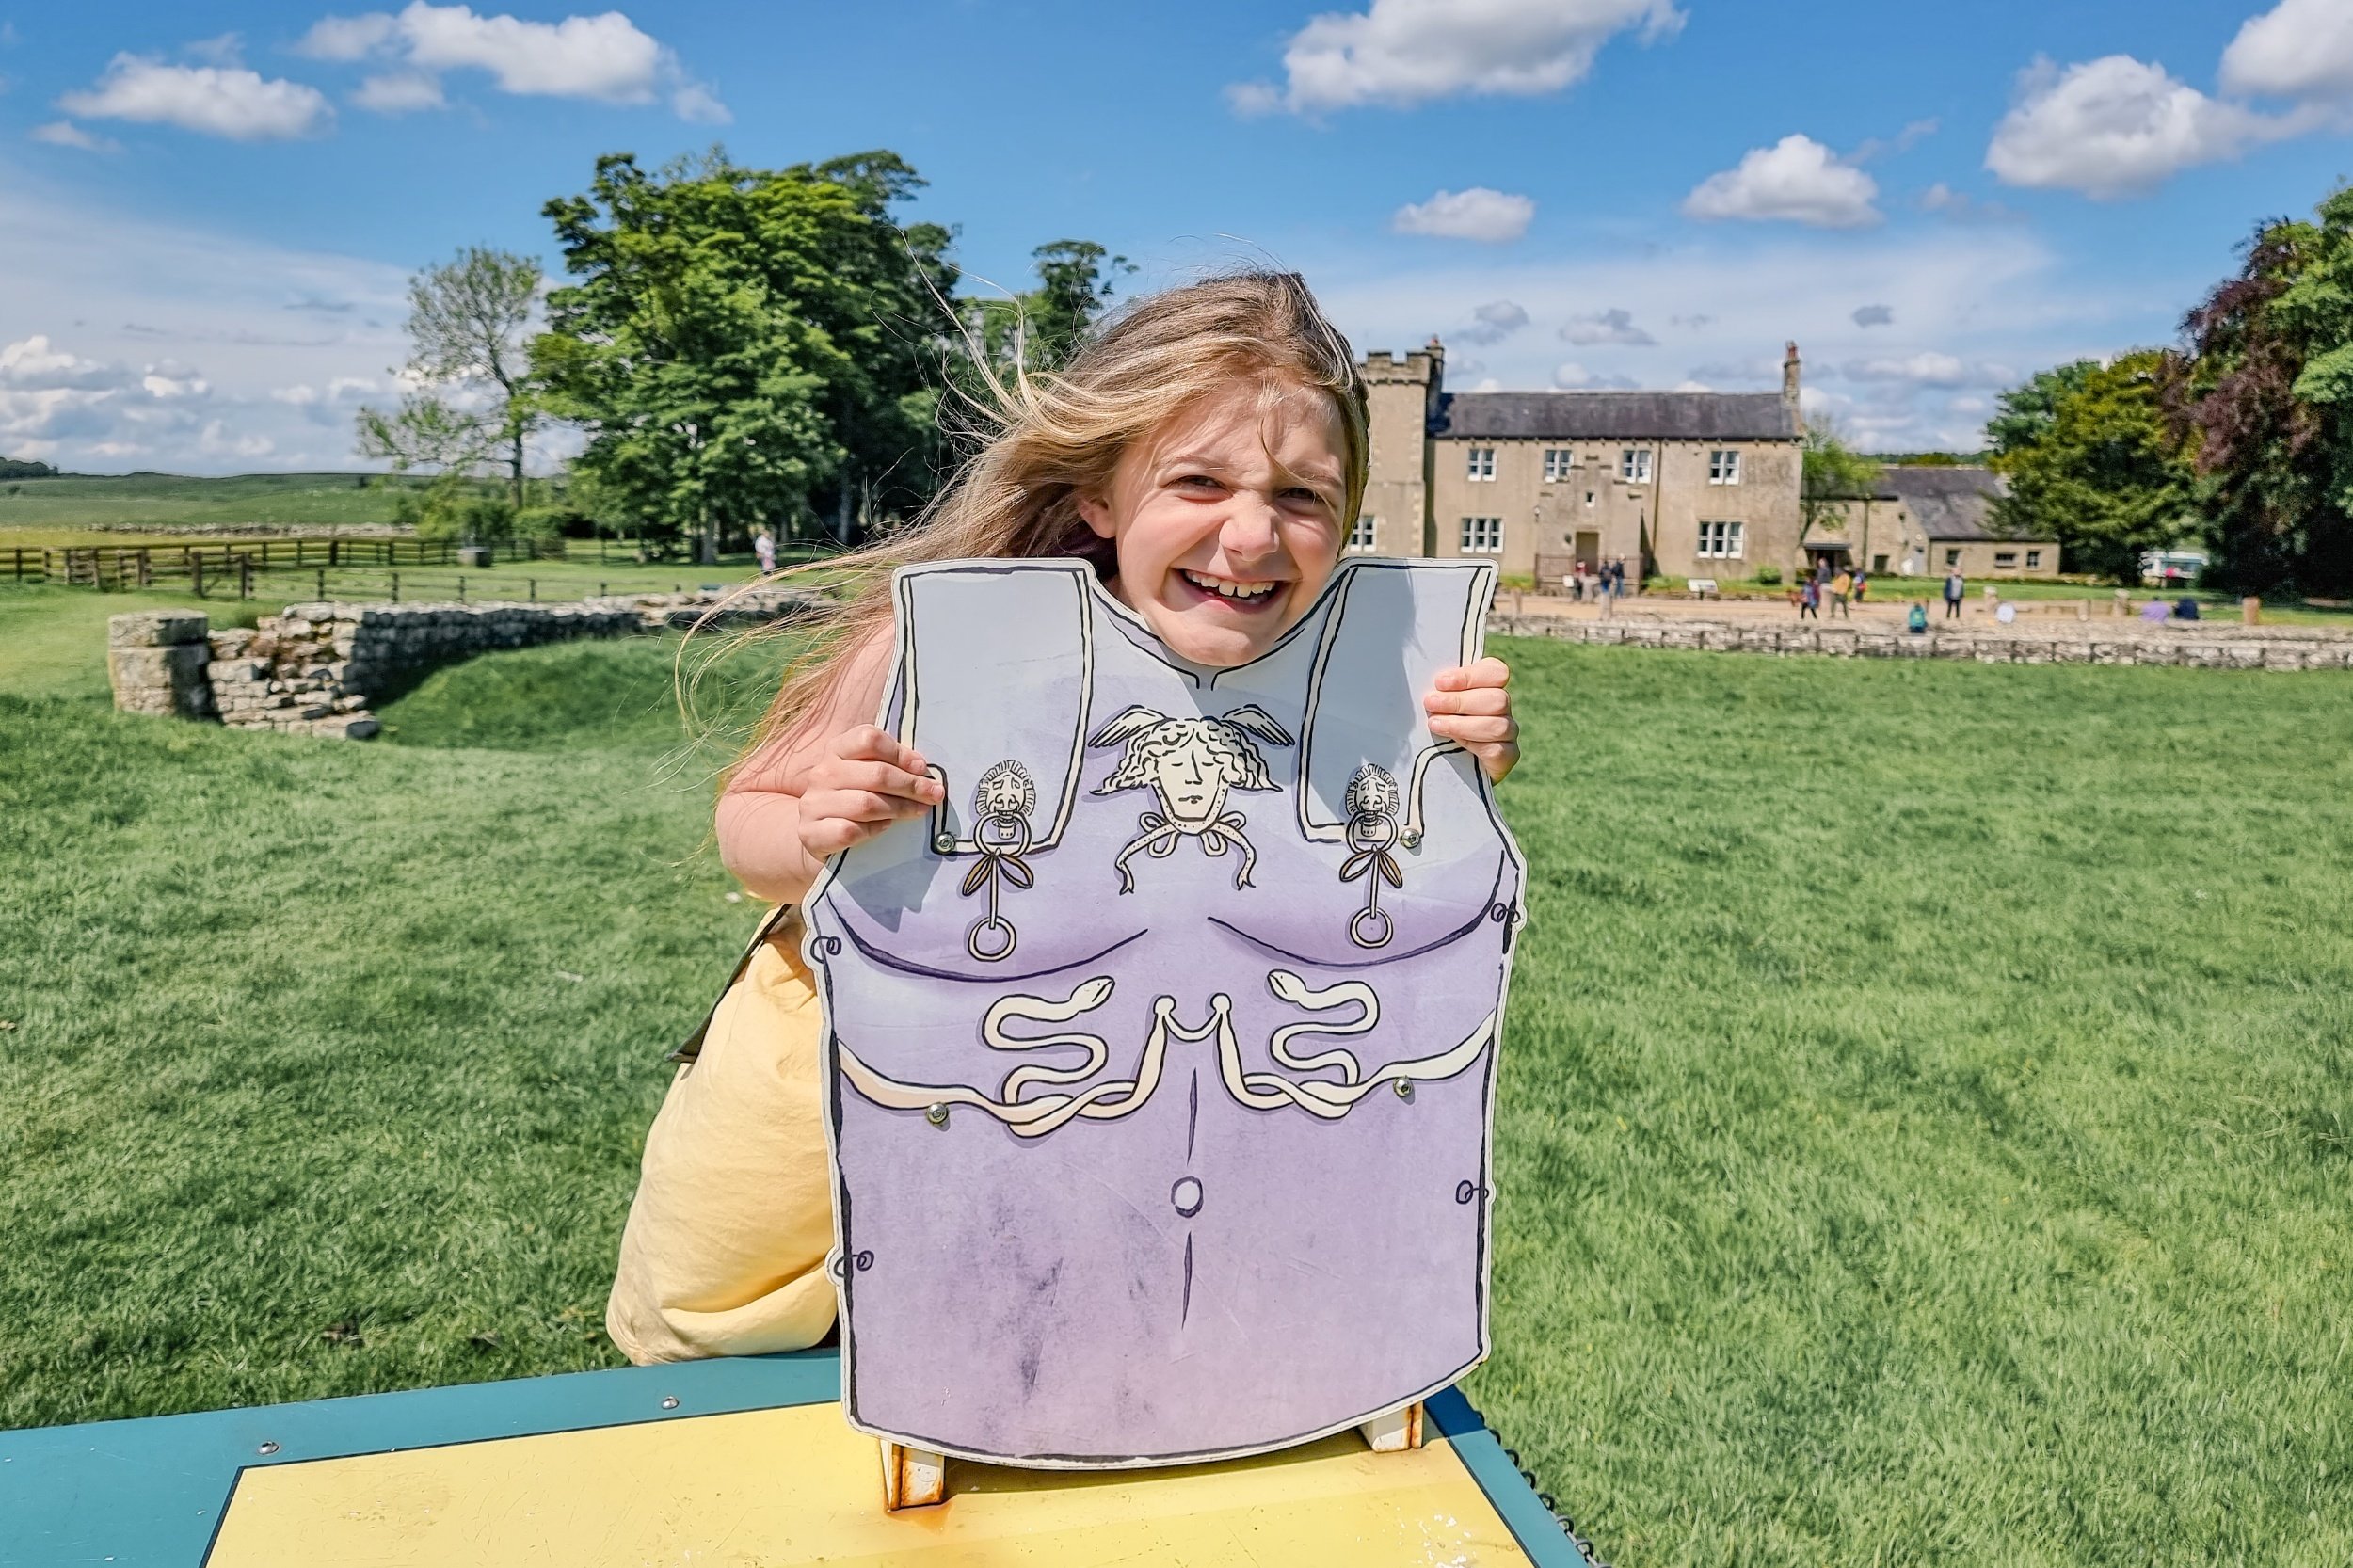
1230 593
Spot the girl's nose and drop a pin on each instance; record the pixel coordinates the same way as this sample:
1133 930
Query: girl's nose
1249 531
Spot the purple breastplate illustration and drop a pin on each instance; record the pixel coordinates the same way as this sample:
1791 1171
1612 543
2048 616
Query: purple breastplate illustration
1161 1056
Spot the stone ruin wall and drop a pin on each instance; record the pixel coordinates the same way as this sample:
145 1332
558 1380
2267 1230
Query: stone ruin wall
316 668
2215 648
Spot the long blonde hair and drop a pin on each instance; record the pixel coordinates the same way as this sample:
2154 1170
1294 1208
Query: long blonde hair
1050 438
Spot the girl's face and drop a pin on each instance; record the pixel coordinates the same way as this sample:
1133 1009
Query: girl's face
1227 519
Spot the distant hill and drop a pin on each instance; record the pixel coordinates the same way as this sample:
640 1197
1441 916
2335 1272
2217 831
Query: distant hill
44 509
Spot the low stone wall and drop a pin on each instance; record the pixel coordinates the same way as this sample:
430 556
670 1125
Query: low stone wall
316 668
2271 647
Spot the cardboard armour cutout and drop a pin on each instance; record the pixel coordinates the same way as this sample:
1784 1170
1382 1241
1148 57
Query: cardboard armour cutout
1161 1056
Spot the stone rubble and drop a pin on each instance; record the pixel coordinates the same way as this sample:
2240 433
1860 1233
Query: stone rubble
313 669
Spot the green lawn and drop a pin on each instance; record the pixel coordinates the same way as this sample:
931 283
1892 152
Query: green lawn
61 511
1927 1141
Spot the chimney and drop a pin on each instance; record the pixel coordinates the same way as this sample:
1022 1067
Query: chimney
1789 384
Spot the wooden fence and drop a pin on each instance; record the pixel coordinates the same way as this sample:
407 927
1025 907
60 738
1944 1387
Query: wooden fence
209 568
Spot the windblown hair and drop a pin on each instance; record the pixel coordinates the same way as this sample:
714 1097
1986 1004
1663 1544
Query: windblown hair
1052 436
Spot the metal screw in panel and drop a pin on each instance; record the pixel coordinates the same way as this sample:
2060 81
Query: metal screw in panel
936 1115
669 1401
1405 1088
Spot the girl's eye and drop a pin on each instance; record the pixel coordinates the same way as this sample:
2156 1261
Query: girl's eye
1196 481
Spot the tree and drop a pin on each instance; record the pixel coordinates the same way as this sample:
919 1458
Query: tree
738 341
1041 329
25 468
469 358
2093 463
1834 476
2265 402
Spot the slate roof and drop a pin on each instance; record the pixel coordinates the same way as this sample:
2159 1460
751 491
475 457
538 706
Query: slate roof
1610 416
1955 504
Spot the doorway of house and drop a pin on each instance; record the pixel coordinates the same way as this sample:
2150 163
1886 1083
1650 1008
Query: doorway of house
1587 546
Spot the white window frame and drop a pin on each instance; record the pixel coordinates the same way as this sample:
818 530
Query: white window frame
1559 464
1366 532
1723 465
1482 536
2006 560
1722 539
2034 560
1634 465
1478 464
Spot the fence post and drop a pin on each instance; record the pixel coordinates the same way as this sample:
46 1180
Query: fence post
461 588
322 572
245 574
397 587
334 548
534 588
196 570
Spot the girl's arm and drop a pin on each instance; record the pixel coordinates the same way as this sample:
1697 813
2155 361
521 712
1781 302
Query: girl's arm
1472 707
830 781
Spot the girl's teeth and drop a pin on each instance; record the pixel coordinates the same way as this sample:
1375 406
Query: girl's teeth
1229 590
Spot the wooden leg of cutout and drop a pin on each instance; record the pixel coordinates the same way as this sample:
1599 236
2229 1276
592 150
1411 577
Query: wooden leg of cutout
1395 1432
913 1477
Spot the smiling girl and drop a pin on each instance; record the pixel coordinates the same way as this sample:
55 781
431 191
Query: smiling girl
1206 453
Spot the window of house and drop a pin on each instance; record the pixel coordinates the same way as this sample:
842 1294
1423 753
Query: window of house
1366 533
1720 540
1879 564
1557 462
1481 463
1634 465
1482 535
1723 466
1589 498
2006 557
2034 559
1952 557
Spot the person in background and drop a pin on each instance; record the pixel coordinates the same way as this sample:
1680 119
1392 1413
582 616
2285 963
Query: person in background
1841 591
2185 609
1916 618
1862 584
1810 598
1955 585
764 546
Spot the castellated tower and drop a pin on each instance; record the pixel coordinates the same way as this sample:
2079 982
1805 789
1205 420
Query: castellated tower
1401 396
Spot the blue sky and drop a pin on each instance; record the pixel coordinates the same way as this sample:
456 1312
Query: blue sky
207 211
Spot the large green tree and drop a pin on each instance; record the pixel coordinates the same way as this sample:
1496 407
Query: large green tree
1833 478
2093 463
2266 402
748 346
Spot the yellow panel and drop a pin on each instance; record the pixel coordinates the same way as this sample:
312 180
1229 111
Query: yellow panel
772 1488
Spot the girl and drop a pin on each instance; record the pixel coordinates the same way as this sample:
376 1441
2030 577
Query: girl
1206 453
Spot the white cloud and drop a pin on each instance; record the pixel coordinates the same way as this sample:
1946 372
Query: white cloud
1612 326
1795 180
400 92
1873 315
347 38
227 49
1902 142
219 100
64 133
98 295
2117 126
1493 322
1400 52
1491 216
1575 378
2298 49
1930 368
605 58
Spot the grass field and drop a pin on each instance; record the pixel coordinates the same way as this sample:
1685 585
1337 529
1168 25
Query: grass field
61 511
1923 1140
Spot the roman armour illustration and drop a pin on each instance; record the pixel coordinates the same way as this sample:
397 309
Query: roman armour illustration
1161 1055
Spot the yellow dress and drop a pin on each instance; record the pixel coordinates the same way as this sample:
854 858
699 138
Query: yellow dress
724 1249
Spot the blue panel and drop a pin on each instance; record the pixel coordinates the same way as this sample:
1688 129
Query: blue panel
1533 1526
149 1494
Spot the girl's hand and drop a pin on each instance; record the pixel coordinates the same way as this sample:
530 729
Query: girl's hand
861 783
1473 708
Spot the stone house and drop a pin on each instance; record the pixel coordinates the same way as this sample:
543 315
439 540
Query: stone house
1684 483
1922 521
